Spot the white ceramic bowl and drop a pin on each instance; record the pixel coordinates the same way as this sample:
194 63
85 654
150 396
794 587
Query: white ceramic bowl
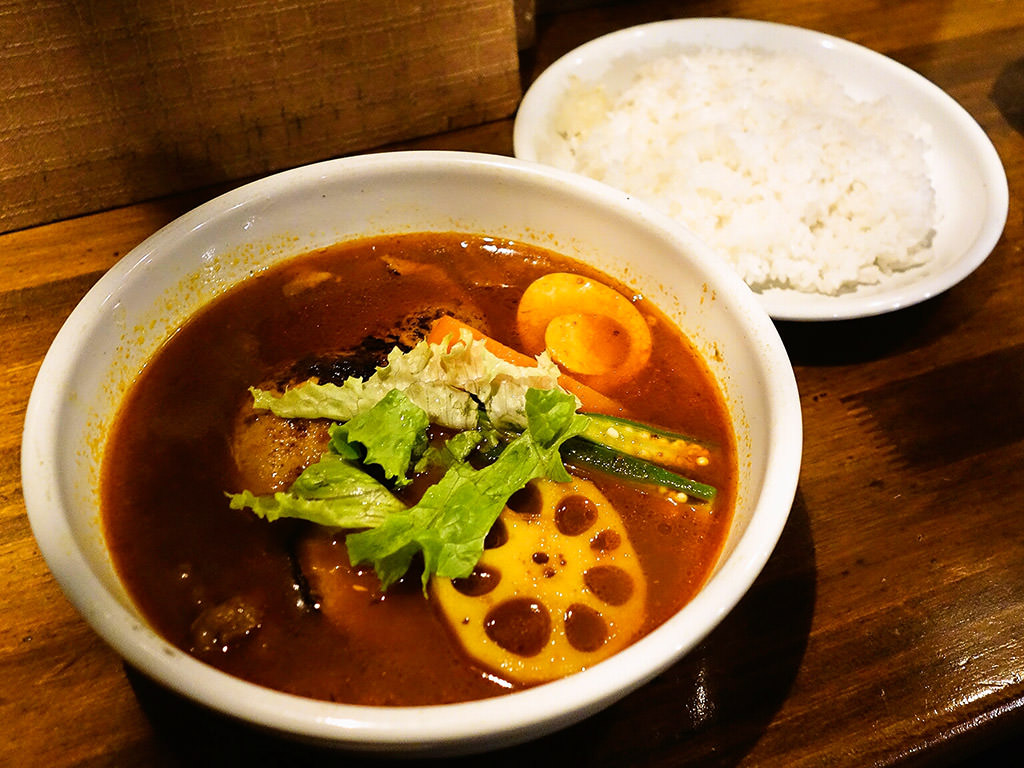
970 185
130 311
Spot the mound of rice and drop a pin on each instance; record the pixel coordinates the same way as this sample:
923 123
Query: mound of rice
769 161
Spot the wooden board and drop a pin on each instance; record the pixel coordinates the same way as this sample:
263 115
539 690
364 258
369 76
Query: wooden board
108 103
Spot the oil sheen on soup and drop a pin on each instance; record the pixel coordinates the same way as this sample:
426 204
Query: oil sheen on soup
500 537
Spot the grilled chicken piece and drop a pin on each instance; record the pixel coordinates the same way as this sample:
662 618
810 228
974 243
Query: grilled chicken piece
270 452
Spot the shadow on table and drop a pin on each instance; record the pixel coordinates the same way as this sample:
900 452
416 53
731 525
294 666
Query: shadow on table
851 342
867 339
710 708
1008 94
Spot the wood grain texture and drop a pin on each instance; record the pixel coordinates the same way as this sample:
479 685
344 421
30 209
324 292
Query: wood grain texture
885 629
108 103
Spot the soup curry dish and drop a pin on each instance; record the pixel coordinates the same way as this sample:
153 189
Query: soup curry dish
418 469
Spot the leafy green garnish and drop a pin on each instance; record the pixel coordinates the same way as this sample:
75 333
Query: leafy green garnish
393 432
332 492
457 448
449 524
381 431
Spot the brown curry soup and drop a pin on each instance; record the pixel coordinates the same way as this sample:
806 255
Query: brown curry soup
183 553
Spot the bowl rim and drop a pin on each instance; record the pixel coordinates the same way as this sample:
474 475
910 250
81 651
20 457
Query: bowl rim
467 726
788 304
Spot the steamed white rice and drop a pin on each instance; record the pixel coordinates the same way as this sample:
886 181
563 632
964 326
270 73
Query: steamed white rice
769 161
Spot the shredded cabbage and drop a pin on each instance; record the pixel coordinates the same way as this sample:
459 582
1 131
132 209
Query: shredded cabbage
450 385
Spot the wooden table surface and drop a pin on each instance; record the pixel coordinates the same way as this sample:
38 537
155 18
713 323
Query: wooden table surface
888 625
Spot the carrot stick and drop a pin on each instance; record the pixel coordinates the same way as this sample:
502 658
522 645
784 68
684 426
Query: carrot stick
448 326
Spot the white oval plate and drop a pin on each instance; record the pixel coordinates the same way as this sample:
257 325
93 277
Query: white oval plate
970 185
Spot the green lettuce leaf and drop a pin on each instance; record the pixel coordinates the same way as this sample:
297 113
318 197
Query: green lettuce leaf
332 492
457 448
449 524
393 432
